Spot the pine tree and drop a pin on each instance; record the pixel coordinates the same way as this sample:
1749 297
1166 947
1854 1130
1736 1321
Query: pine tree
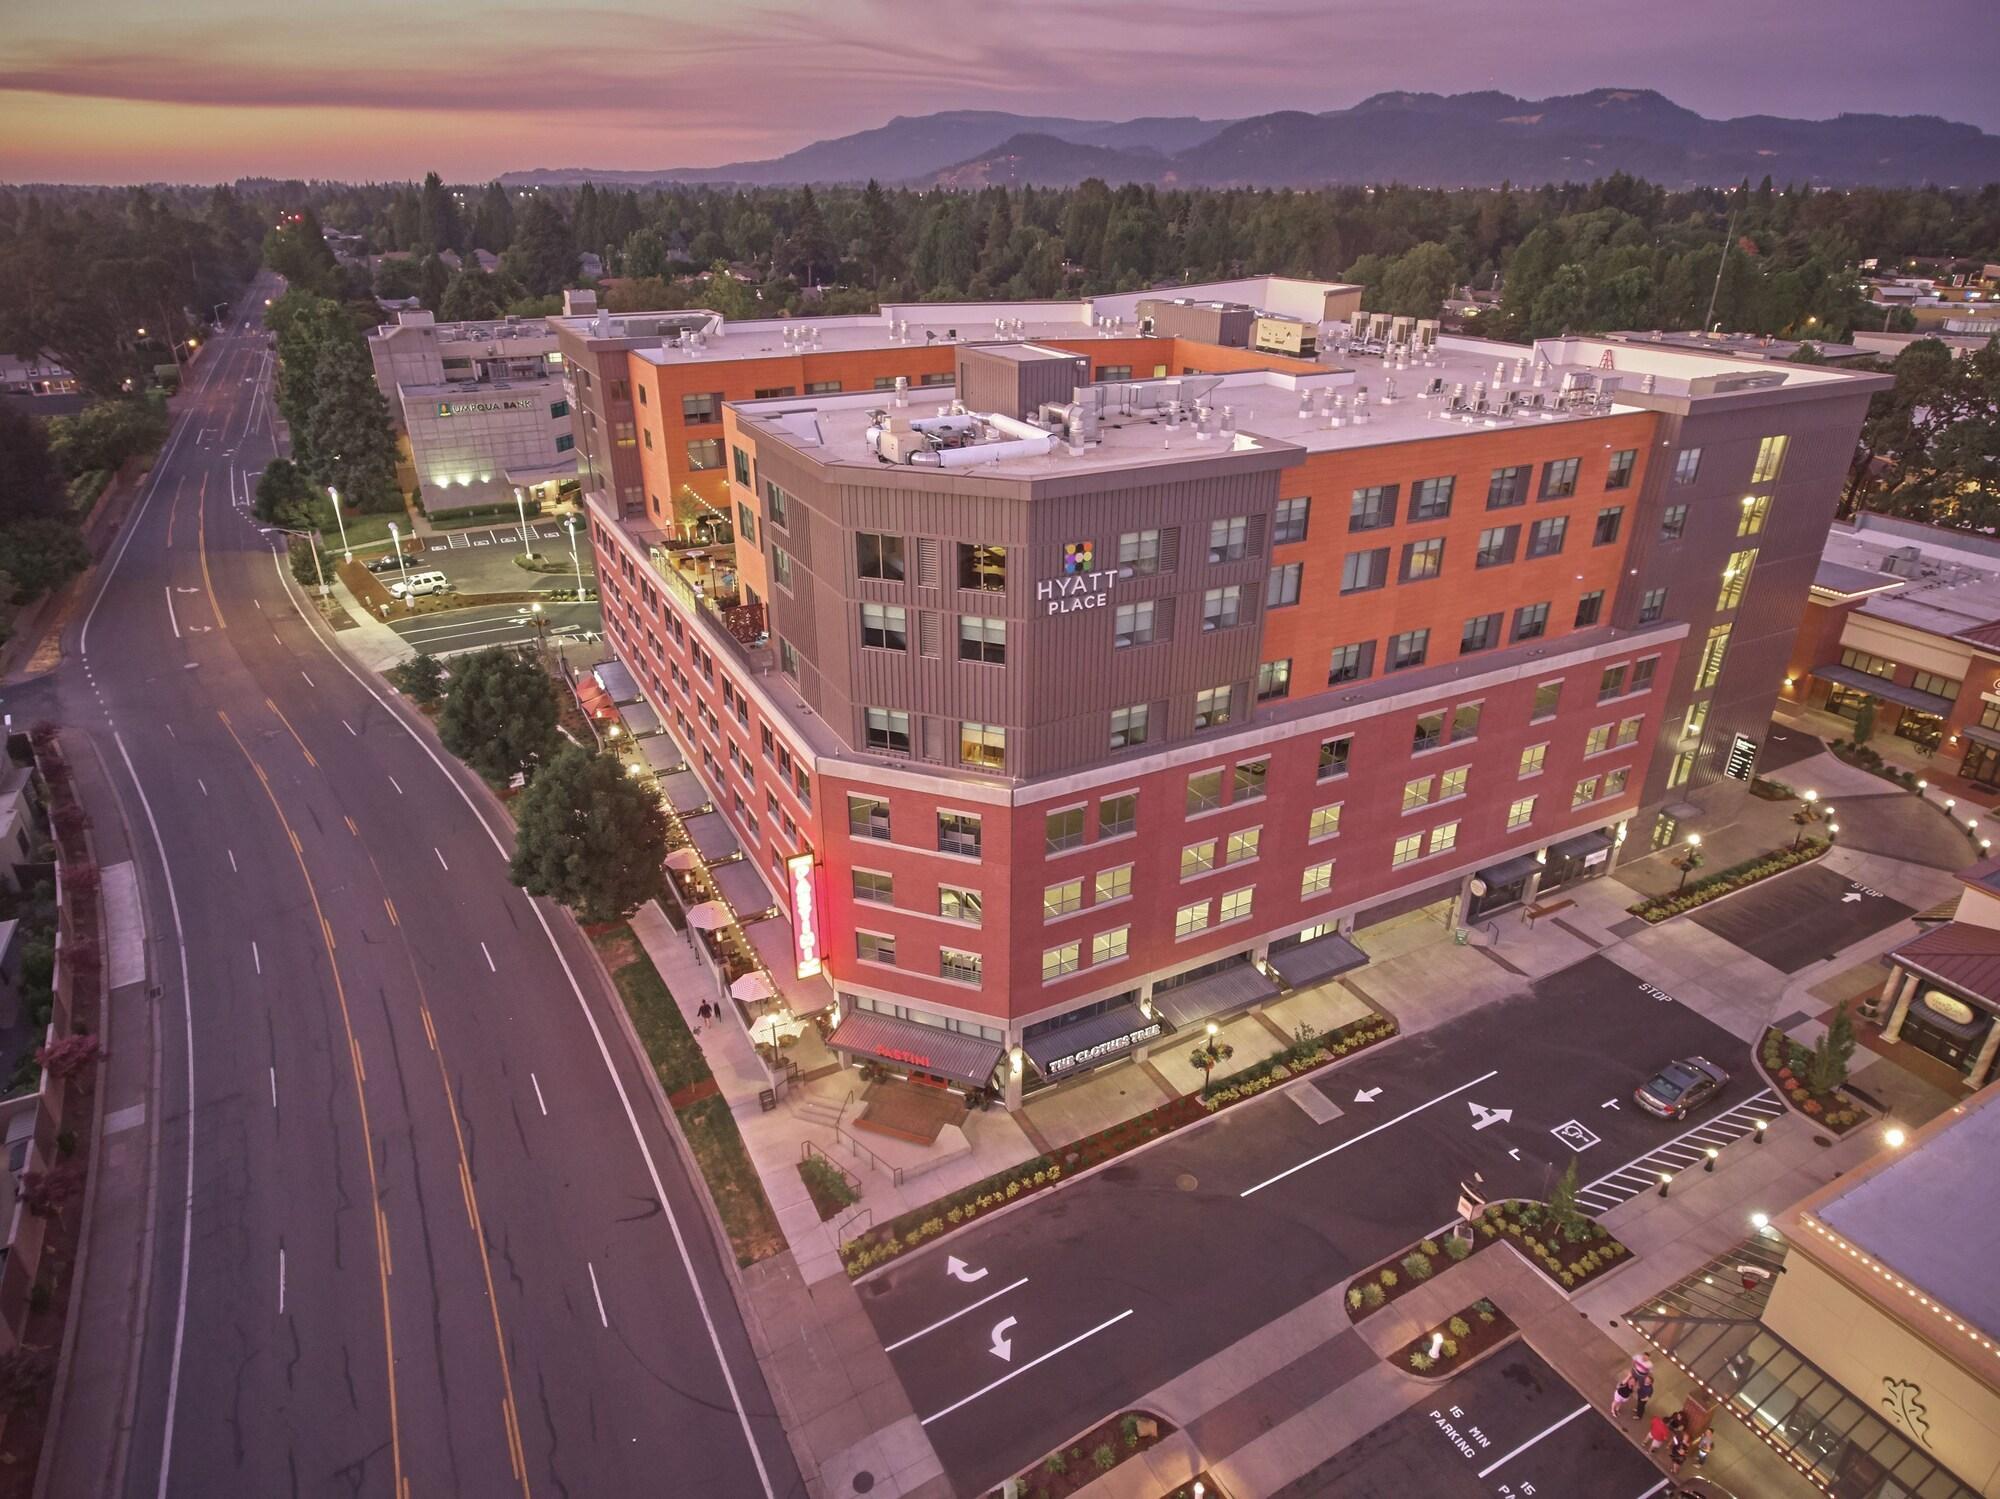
543 256
1562 1203
493 220
500 717
439 226
590 836
352 443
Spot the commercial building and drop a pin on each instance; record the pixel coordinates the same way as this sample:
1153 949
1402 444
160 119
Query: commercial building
482 407
1115 681
1943 991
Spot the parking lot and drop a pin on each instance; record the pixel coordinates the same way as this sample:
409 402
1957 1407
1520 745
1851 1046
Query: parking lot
1800 917
1509 1426
484 561
495 624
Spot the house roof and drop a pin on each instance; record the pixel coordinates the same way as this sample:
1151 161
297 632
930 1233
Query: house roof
1964 956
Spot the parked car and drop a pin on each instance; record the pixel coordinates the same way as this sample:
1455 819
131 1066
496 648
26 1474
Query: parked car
388 562
419 584
1680 1087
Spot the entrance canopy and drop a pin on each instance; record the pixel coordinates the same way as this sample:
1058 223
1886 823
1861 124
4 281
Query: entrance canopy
925 1048
1895 692
1103 1037
1308 962
1234 988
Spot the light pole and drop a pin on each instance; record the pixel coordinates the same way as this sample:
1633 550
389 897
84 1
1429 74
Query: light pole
1808 813
521 506
395 540
1209 1053
1688 861
569 524
319 571
346 552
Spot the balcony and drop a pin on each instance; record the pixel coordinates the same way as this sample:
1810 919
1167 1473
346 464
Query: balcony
703 578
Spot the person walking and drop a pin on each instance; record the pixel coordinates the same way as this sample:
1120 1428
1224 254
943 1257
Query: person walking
1657 1436
1703 1445
1621 1397
1677 1453
1643 1392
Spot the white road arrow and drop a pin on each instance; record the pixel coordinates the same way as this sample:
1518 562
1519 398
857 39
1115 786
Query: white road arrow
1852 895
1515 1154
957 1269
1484 1116
1003 1346
1367 1095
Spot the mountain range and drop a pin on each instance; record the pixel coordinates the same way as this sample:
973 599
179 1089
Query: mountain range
1428 140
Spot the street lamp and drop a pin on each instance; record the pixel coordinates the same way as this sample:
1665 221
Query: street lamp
576 558
1894 1137
319 571
521 506
346 552
1209 1053
403 567
1809 812
1688 860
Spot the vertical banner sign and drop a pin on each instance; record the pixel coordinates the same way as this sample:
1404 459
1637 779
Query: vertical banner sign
805 914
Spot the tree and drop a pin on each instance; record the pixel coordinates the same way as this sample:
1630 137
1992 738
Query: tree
71 1056
421 679
437 223
297 250
25 1374
287 496
493 220
543 257
1563 1210
351 444
433 277
1828 1068
312 565
1416 283
40 553
106 433
590 836
399 278
500 716
475 297
30 483
46 1193
645 254
1864 721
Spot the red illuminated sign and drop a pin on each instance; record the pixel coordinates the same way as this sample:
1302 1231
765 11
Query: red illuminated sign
805 915
897 1054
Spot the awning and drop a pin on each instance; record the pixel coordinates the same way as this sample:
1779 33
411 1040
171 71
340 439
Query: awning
1895 692
1583 845
773 941
1509 871
661 753
684 791
613 677
1988 737
640 719
1322 958
1104 1037
741 886
1232 989
927 1048
711 836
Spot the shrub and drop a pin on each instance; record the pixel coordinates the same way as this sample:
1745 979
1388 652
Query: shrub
1388 1279
1420 1361
1568 1279
1055 1463
1104 1457
1488 1230
1354 1298
1372 1295
1419 1266
1449 1348
1429 1246
1459 1248
1459 1327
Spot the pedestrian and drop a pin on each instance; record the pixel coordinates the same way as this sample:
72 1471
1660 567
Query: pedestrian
1621 1397
1641 1364
1644 1392
1677 1453
1657 1435
1703 1445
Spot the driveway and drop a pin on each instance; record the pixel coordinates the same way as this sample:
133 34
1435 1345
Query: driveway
1802 916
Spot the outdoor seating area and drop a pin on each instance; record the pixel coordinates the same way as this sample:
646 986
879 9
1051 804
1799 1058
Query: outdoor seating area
707 576
908 1110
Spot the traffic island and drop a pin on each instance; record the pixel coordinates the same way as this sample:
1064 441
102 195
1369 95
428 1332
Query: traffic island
1569 1248
1790 1068
1660 908
1401 1274
1078 1464
1460 1340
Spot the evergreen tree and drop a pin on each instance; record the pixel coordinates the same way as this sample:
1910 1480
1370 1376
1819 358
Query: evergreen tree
543 257
433 276
645 254
474 296
500 715
590 836
878 235
493 220
30 479
352 444
438 225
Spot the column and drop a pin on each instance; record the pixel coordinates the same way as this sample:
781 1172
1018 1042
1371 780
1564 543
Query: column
1529 891
1618 836
1893 1029
1982 1065
1462 906
1012 1068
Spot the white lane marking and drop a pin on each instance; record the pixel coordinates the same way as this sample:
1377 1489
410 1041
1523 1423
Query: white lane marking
1356 1140
281 1282
255 957
596 1034
397 784
490 964
203 784
606 1321
1017 1373
1654 1489
538 1095
1628 1180
440 853
1502 1462
170 731
309 680
232 860
349 727
274 1086
172 618
990 1296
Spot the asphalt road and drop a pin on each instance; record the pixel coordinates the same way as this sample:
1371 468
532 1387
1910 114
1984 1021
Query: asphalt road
418 1230
1146 1267
1802 916
494 624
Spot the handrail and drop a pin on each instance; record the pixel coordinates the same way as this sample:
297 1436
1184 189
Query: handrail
894 1173
841 1113
807 1150
850 1223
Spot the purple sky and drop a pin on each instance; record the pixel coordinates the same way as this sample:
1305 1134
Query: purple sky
125 90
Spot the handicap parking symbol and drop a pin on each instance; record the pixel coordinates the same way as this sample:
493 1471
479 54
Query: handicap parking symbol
1575 1135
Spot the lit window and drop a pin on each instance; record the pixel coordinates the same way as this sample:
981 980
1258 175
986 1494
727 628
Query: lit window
1409 848
1712 653
871 886
1756 508
1317 880
956 903
982 746
1109 947
1236 904
1452 783
1520 813
1204 790
1597 740
1128 726
1191 918
961 966
1422 559
1247 780
1325 822
1058 961
1417 793
1113 884
1211 707
1735 578
1132 624
981 567
1063 830
1628 731
1532 759
1242 845
1118 815
1061 899
1197 858
958 833
875 947
1673 522
1585 793
1444 836
1770 460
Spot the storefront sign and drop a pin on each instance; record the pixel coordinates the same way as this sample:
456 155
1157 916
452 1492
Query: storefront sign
1102 1049
805 914
916 1059
1949 1006
1081 585
1591 861
1742 758
472 408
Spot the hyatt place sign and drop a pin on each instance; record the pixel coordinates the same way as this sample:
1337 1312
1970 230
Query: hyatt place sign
1080 585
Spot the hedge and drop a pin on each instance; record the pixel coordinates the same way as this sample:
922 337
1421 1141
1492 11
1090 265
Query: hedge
1658 908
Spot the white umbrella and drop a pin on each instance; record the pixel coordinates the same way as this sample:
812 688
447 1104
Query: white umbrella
683 859
710 915
753 986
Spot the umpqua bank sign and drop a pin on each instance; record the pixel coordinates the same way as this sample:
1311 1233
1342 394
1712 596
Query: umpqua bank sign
1080 585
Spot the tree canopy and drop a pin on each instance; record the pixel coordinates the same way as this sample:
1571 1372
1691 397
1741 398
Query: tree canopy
590 836
500 715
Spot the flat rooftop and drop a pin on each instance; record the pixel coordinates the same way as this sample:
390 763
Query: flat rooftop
1949 587
1742 345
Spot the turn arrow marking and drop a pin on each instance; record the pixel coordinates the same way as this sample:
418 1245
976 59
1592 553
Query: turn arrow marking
1852 895
1367 1095
1483 1116
957 1269
1003 1346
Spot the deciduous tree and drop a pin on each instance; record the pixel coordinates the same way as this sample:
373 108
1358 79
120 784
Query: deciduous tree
588 835
500 715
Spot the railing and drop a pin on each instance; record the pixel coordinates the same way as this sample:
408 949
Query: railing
850 1224
807 1150
894 1173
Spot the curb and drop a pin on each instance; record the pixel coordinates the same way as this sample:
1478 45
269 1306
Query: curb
1826 847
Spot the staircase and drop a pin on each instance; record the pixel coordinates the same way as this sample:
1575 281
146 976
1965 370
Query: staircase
820 1110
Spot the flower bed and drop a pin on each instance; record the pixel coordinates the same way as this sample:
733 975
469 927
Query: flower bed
1785 1062
1082 1462
1570 1256
1401 1274
1459 1340
1659 907
831 1192
886 1241
1864 758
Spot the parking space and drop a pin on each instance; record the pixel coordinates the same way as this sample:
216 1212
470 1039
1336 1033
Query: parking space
1509 1426
498 624
1800 917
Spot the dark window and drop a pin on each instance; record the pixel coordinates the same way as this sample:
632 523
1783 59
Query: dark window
1430 499
1530 621
1422 559
1290 523
558 408
739 465
982 640
1333 755
1428 733
1687 465
1496 546
1673 522
1545 539
704 454
878 556
1652 604
1282 587
1361 571
1409 649
1619 476
1548 696
566 442
822 387
1118 815
1508 486
982 567
1480 634
777 392
1609 520
888 729
1611 683
1063 830
1588 608
1351 663
1642 674
1559 478
777 506
1372 509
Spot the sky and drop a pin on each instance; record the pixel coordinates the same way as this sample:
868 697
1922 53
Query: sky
209 90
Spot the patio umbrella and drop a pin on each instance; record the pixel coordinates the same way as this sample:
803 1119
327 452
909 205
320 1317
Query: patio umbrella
753 986
709 916
683 859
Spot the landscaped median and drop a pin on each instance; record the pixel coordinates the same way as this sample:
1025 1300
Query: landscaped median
1452 1344
1078 1464
1310 1052
1737 877
684 1075
1569 1248
1799 1072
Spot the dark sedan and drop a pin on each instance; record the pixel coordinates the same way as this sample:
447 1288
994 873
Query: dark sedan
1680 1087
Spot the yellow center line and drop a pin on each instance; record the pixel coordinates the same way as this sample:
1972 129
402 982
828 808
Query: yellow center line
201 545
382 1262
391 906
295 739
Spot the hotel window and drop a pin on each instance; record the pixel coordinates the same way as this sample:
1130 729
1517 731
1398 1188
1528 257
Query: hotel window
822 387
936 377
1373 508
1361 571
1616 780
1417 793
701 410
1532 760
1452 782
1060 900
880 888
1222 607
1545 539
558 409
1628 730
1480 634
1770 460
1687 465
1694 720
1652 605
1118 815
1274 680
1465 720
781 568
1559 478
964 967
1934 684
1619 474
1111 946
1611 683
625 434
1875 666
1531 621
1496 546
1333 755
1422 559
1139 552
746 523
1712 654
1520 813
1588 608
1282 586
1428 733
1508 487
1198 858
1642 674
1128 725
1409 848
1735 578
705 453
1236 905
982 746
956 903
1597 740
958 833
1204 791
982 567
1430 499
1132 624
1317 880
1113 884
1191 918
776 392
1242 845
1324 823
1248 780
1058 961
981 639
647 433
1755 509
1063 830
777 506
788 654
1673 522
1585 793
877 556
566 442
1211 707
888 729
1229 540
1409 649
875 947
1290 523
1683 767
884 627
1350 663
1609 520
1444 836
